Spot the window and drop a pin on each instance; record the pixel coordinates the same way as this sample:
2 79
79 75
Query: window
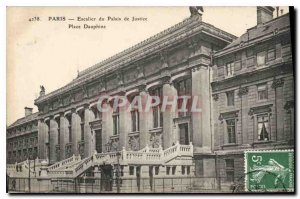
229 168
271 54
116 122
173 170
249 52
262 92
184 133
229 69
135 119
82 117
157 114
184 88
263 127
182 170
188 170
230 130
261 58
168 170
230 98
156 170
131 170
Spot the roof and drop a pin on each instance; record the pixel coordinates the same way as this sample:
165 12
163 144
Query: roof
23 120
255 33
178 32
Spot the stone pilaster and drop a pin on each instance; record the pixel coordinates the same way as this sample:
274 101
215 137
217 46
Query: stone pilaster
279 107
201 133
243 94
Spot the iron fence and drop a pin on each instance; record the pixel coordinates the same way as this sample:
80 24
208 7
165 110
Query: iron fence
127 185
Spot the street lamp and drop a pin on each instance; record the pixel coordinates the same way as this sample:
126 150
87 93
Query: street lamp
118 171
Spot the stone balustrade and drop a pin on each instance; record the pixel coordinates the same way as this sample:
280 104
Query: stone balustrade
153 156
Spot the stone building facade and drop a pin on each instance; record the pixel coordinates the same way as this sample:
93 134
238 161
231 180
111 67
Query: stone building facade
253 94
22 138
245 86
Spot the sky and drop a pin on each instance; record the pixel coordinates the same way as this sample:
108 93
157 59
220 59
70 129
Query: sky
49 53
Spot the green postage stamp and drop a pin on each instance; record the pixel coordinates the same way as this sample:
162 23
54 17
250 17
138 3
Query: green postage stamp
269 171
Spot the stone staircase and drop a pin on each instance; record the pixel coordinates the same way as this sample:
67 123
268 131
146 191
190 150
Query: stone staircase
73 167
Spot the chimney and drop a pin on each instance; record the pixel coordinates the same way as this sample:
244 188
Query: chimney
28 111
264 14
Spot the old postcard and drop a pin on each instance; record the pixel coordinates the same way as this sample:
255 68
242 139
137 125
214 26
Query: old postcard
150 100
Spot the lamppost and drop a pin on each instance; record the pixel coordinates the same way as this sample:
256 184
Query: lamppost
118 172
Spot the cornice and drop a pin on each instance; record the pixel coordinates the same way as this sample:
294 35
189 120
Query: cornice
172 36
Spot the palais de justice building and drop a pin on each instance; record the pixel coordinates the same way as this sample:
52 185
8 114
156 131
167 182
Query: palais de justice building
245 85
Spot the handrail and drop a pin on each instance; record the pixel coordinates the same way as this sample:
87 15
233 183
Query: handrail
146 155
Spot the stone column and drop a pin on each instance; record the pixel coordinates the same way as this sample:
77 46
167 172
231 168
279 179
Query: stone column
143 123
87 132
125 126
42 139
201 133
53 140
107 125
63 136
75 132
168 115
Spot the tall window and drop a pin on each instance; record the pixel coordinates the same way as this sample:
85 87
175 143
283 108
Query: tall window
261 58
263 127
184 88
230 98
262 92
157 114
230 130
229 167
116 122
229 69
135 119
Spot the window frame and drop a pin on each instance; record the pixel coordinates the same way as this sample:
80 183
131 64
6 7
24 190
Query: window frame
268 129
229 65
227 98
228 140
259 65
229 169
261 90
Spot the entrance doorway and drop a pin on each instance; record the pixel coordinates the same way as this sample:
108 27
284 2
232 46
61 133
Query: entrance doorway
106 177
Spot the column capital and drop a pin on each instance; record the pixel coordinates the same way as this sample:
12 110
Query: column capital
243 91
215 96
277 83
198 67
166 80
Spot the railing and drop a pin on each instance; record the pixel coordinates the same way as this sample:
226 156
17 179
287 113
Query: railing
63 162
153 156
171 184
